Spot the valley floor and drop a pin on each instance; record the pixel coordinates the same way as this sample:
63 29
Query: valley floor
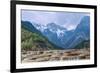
55 55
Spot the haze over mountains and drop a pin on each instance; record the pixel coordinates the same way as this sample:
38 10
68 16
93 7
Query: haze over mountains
62 37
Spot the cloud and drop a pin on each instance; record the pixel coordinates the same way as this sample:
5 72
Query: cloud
39 17
69 20
71 27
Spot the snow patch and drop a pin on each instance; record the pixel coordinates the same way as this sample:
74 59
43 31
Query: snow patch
60 33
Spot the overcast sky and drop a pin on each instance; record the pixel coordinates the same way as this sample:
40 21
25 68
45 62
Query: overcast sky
68 20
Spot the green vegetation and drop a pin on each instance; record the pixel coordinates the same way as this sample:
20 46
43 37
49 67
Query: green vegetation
34 41
83 44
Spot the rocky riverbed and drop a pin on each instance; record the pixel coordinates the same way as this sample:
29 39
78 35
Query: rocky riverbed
54 55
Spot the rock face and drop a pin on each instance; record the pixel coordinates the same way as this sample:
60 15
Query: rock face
54 55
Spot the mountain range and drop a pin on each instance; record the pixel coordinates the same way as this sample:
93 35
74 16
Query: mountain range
60 36
32 39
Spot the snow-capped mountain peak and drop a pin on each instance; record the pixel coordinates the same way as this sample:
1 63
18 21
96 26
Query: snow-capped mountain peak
39 27
52 27
60 33
62 36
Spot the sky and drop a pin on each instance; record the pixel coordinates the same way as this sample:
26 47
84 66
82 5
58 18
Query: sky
68 20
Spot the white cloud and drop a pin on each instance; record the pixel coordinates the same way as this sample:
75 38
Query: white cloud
68 20
69 26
